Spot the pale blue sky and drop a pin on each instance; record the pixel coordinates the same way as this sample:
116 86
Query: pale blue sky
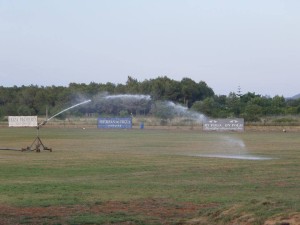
253 44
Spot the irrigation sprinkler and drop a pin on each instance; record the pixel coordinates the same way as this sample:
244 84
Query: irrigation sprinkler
37 145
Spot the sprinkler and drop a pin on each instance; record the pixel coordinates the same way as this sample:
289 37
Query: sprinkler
37 145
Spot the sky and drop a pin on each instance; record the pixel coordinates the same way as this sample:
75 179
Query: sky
251 44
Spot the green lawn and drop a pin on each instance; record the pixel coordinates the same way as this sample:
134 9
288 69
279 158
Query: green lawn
92 168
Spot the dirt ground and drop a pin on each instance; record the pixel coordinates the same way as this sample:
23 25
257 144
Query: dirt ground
293 219
158 211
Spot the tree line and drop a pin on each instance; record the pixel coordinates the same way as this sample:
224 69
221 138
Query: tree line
40 100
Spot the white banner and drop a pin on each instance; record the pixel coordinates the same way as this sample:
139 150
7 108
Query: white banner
22 121
236 124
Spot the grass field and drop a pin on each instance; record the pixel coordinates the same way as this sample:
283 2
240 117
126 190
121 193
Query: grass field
176 176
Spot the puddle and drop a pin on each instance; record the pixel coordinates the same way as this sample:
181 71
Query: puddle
224 156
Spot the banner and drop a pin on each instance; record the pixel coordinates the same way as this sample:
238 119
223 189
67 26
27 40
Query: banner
236 124
121 123
22 121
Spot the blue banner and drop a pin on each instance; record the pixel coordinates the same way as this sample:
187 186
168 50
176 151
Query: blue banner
112 123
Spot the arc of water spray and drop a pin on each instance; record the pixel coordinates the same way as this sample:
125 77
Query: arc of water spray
81 103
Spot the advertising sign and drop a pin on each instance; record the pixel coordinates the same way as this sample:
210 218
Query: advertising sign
22 121
118 123
236 124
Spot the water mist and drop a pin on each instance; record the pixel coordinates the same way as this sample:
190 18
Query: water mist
81 103
223 145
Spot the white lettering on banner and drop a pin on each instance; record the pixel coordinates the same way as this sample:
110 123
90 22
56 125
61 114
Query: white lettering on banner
224 125
115 123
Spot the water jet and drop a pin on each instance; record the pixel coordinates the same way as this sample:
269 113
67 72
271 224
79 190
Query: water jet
37 144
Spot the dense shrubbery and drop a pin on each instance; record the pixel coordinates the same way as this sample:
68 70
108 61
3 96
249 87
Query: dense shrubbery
36 100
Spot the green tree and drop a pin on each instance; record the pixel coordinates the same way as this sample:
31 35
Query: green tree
132 85
206 106
204 91
189 91
233 105
158 89
278 106
253 112
162 110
